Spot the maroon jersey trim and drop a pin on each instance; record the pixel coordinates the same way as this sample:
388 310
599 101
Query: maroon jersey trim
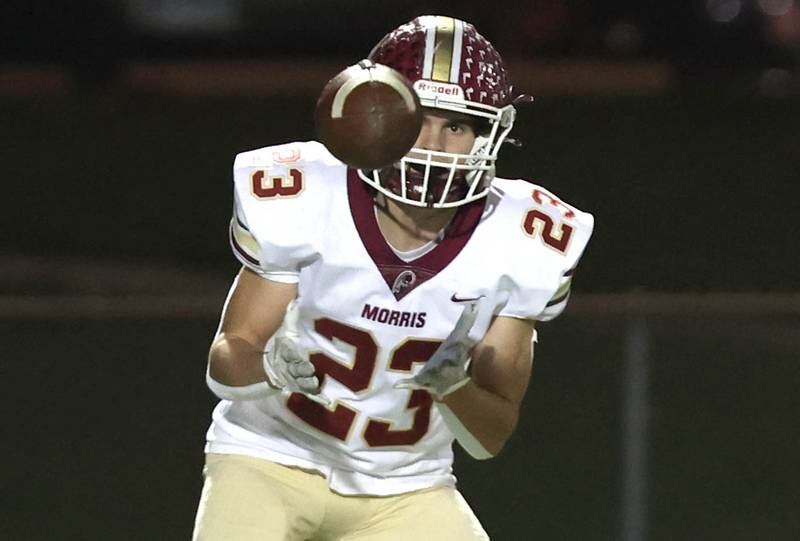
394 270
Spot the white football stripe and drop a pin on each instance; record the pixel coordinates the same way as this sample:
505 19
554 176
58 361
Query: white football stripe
380 74
430 42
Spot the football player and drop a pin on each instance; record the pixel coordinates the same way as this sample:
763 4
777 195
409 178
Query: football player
379 316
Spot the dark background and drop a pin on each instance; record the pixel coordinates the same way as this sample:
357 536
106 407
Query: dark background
693 186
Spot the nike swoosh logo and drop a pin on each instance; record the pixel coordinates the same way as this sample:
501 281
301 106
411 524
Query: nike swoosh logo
466 299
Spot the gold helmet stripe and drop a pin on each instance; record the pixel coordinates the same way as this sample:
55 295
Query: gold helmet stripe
443 49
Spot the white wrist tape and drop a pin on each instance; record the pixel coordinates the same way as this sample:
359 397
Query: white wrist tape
464 437
255 391
453 388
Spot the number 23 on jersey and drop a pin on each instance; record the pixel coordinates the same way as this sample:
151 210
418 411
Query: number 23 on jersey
538 223
357 377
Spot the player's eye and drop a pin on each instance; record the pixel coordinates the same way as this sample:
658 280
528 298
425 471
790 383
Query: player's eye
457 127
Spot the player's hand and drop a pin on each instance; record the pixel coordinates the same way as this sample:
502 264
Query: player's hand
287 364
446 370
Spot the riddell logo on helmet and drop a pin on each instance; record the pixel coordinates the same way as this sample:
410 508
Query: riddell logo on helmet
428 88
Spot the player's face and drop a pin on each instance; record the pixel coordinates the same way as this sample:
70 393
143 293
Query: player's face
446 131
436 163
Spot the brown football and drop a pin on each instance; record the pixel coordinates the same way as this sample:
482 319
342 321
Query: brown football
368 116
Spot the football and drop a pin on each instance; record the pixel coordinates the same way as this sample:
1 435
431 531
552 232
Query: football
368 116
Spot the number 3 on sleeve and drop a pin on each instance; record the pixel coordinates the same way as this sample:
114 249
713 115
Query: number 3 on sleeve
266 186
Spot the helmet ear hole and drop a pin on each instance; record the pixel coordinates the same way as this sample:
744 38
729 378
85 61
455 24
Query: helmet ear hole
483 127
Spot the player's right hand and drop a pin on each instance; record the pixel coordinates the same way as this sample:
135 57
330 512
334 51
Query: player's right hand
287 364
447 369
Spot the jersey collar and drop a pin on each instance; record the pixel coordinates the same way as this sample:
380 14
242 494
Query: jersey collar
403 277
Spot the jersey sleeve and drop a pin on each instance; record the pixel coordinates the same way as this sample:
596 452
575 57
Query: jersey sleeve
555 237
271 231
558 301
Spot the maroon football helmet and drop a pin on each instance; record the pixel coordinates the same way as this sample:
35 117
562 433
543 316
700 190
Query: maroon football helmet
452 68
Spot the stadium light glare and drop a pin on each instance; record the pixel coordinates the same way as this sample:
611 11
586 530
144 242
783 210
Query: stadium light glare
723 11
776 8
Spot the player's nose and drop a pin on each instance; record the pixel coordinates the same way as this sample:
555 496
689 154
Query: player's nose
430 138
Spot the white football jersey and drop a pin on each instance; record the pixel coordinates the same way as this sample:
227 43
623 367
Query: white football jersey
370 319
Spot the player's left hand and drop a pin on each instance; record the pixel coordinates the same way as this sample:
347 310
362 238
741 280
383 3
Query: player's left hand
446 370
287 363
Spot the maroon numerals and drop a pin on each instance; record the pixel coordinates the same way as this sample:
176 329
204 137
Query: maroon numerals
268 186
357 377
381 433
555 236
539 223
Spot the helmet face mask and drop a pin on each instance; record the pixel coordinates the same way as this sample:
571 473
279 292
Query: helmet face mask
453 69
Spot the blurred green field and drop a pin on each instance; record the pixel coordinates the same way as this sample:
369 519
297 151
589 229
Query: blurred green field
108 445
690 192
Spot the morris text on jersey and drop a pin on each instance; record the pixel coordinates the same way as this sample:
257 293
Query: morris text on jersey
394 317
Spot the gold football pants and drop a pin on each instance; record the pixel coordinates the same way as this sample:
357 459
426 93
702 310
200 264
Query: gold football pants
250 499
